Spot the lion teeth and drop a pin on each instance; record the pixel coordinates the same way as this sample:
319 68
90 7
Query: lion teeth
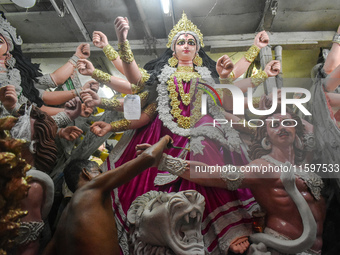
193 214
186 218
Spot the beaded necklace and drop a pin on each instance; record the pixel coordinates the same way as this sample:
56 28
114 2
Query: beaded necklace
186 74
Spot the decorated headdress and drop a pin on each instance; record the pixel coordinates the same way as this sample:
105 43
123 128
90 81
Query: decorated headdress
9 32
184 26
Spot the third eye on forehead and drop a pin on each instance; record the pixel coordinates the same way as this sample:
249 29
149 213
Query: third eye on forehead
182 41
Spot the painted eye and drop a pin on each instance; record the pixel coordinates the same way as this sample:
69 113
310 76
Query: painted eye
181 42
191 42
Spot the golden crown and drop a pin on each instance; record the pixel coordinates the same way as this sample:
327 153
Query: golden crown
184 25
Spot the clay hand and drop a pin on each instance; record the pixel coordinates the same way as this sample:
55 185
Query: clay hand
273 68
224 66
83 51
267 101
261 39
73 108
90 98
92 84
100 128
85 67
70 133
99 39
122 28
8 97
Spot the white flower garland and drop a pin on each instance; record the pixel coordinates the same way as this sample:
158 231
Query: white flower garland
233 140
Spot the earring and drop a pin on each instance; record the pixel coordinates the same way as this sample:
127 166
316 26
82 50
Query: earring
298 143
197 60
266 144
10 61
173 61
32 147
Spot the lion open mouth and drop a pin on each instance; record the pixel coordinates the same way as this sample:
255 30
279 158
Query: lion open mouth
187 215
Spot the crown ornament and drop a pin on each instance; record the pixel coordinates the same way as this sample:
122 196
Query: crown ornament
184 25
9 32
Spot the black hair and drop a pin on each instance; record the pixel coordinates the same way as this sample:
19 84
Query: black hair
28 73
73 169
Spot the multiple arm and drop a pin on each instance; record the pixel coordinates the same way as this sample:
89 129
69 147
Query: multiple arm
261 40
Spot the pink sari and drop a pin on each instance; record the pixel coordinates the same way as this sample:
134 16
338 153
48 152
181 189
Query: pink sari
227 213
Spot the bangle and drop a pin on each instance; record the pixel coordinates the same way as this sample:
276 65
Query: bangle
135 89
120 125
73 60
125 52
252 53
110 52
145 76
151 110
110 104
61 119
233 179
227 80
256 101
101 76
175 166
258 78
336 38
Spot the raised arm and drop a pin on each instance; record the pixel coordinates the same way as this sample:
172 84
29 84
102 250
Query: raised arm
333 58
333 79
272 69
60 75
100 41
261 40
85 67
131 70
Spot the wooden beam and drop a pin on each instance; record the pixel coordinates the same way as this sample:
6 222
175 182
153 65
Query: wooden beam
227 43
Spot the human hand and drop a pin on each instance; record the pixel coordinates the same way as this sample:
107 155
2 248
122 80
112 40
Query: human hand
85 67
99 39
70 133
122 28
90 98
83 51
261 39
156 150
92 84
224 66
8 97
73 108
140 148
273 68
100 128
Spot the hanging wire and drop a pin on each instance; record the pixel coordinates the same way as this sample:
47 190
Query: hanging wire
212 8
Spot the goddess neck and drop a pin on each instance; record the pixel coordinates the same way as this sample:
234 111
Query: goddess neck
185 63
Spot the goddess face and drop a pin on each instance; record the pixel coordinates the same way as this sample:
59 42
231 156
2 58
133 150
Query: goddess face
281 129
3 48
185 47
